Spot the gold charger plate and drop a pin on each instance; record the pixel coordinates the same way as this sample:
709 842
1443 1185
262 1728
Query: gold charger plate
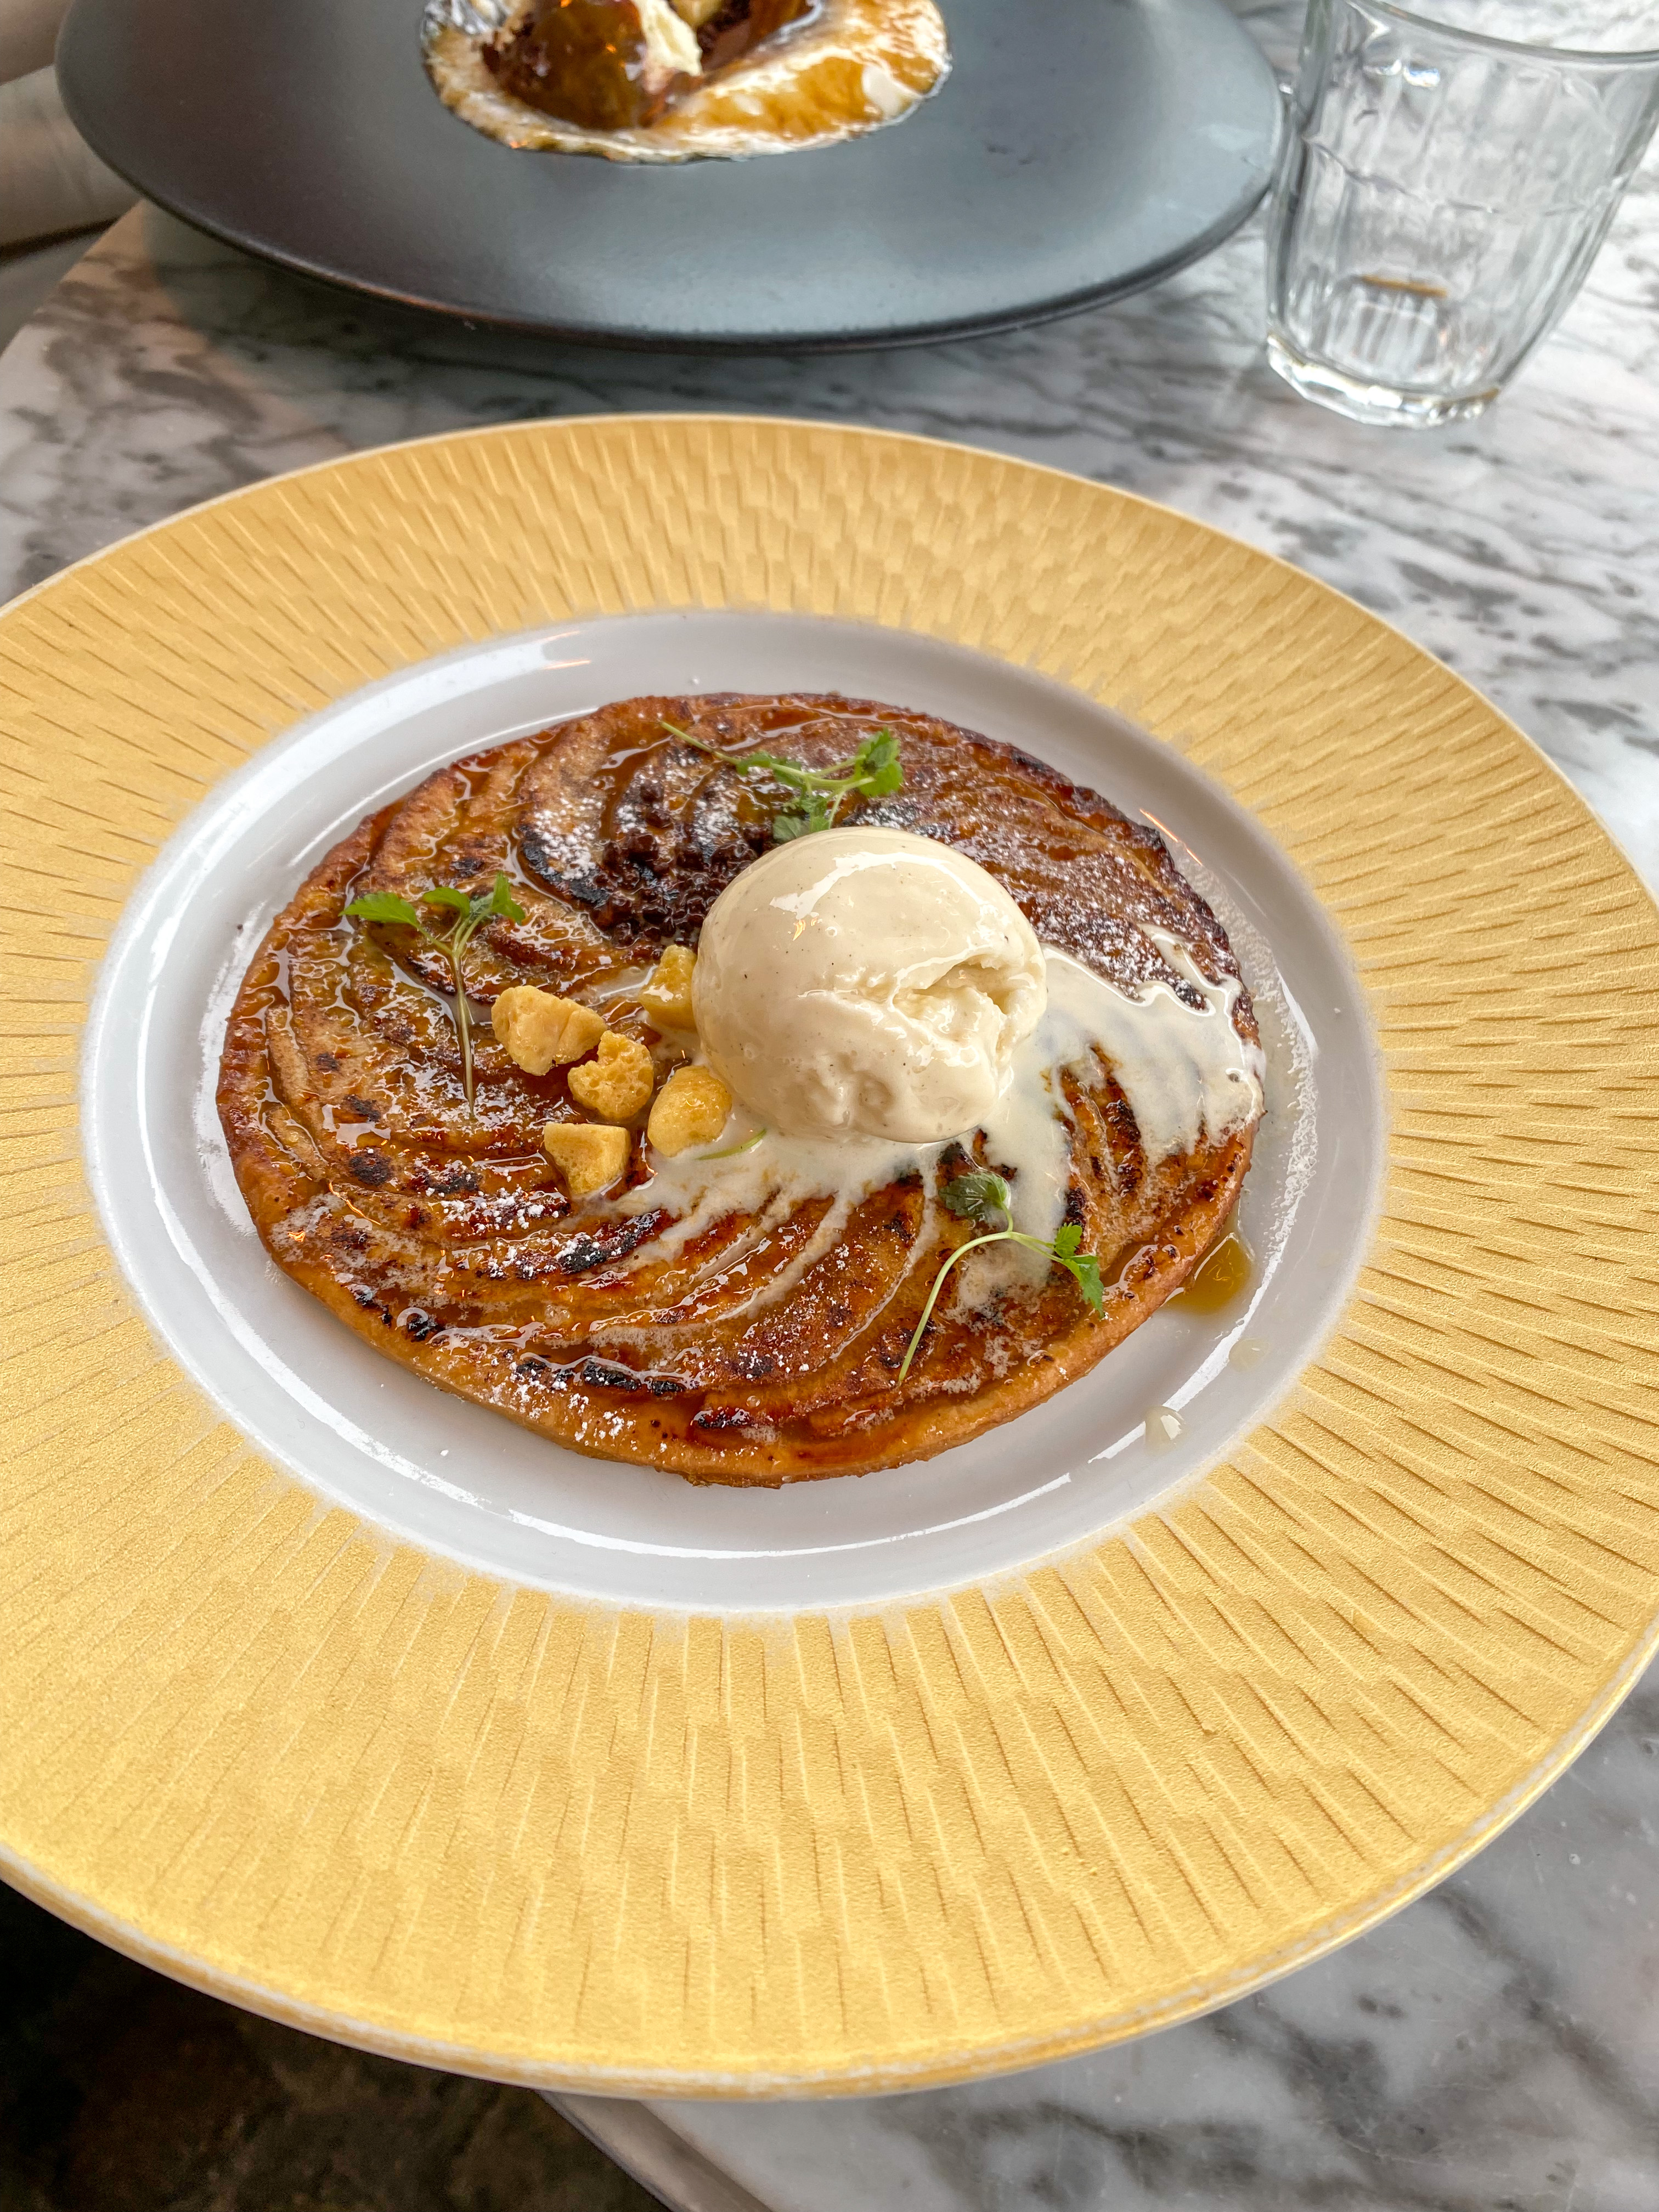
266 1746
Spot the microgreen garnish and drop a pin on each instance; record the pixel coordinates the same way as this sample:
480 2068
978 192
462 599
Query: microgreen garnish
817 796
731 1151
467 911
986 1200
978 1196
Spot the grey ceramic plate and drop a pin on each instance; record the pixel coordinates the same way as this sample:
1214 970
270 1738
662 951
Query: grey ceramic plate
1079 149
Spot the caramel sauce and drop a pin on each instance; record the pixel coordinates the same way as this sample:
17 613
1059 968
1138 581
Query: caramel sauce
1224 1274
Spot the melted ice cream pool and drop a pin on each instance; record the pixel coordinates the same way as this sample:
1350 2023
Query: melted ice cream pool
1184 1070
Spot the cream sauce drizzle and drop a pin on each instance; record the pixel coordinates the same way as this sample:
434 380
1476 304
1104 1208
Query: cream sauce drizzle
1185 1072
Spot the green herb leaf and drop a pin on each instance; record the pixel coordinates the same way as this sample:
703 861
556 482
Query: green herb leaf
384 906
981 1197
816 795
877 767
465 911
731 1151
1083 1267
789 773
502 903
800 820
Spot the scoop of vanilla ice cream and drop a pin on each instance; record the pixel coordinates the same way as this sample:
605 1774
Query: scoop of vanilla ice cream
866 983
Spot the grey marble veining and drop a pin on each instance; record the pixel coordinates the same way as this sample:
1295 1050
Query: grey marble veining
1521 548
1495 2048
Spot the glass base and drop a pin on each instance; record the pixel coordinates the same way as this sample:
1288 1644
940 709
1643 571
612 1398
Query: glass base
1370 402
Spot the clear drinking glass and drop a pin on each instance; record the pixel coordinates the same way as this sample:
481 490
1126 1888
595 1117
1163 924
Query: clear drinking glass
1441 194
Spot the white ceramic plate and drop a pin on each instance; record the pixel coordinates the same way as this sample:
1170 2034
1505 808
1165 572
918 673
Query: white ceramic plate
463 1481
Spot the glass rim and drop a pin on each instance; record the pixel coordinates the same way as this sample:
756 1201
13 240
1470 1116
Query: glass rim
1622 56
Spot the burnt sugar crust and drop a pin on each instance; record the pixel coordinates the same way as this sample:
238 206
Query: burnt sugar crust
448 1243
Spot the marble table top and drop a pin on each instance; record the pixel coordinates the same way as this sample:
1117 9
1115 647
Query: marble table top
1494 2047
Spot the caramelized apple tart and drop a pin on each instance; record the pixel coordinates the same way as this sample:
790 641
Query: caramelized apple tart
546 1192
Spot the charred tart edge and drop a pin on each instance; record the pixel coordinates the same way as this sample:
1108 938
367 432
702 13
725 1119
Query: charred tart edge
274 1184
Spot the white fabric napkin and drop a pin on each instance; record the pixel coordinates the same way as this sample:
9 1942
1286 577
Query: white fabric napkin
51 180
28 32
